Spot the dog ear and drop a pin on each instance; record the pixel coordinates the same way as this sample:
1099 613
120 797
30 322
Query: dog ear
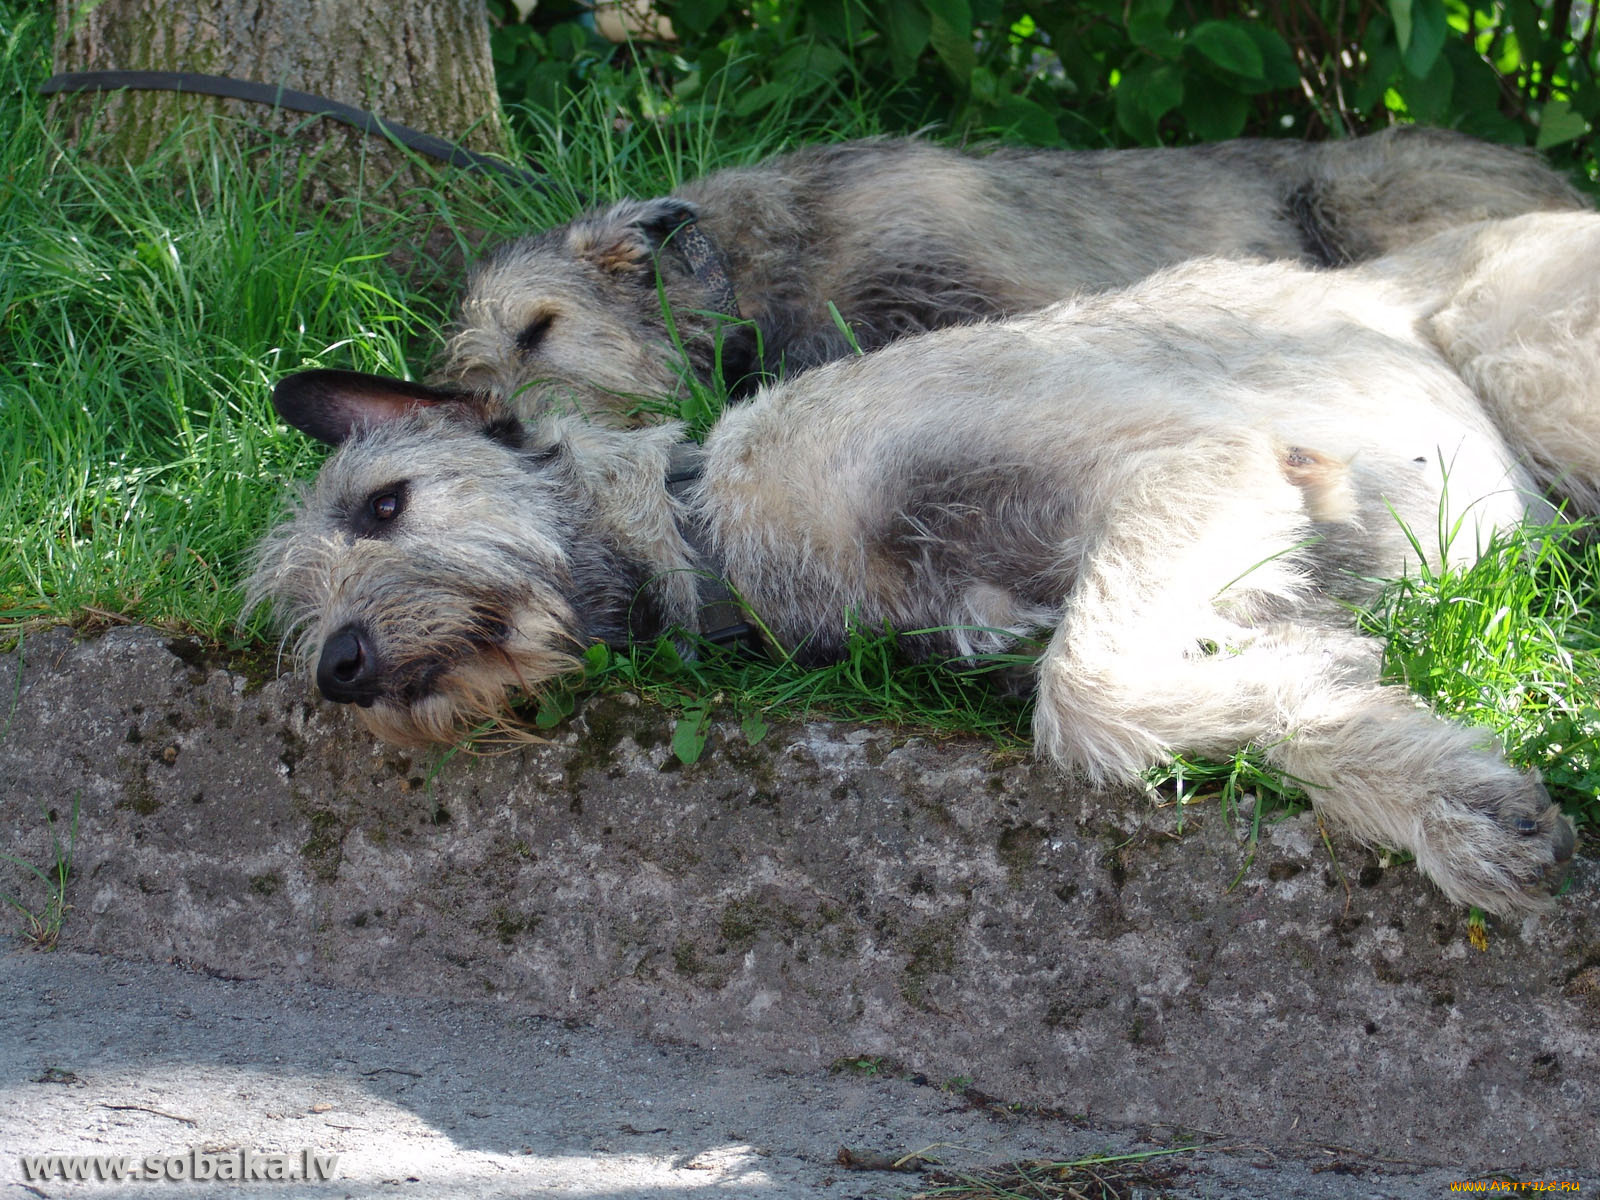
331 405
628 235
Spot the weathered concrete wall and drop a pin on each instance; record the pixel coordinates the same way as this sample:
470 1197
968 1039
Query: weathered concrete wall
830 891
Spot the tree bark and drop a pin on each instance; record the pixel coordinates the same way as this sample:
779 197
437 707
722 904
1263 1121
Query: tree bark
422 63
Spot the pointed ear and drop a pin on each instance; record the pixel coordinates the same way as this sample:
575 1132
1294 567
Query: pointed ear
331 405
626 236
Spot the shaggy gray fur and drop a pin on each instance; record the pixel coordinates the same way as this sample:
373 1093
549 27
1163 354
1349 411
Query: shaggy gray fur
1172 486
906 236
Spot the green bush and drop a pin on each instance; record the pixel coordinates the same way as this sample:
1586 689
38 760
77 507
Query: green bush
1103 72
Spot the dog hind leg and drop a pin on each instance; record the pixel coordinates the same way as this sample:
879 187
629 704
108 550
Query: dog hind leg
1187 630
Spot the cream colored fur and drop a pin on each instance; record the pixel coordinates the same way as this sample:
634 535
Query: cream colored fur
1176 487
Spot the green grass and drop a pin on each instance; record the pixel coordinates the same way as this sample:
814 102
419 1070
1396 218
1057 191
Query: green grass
1512 643
143 314
872 682
40 920
145 311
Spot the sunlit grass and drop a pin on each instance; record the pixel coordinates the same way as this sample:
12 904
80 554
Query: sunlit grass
1513 643
145 311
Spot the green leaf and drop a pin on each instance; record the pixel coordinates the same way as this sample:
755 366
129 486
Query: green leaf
1145 95
754 728
907 24
803 68
159 258
950 34
1131 115
696 16
983 85
596 658
1586 99
1401 11
690 733
1230 47
1558 124
1475 98
1382 63
1525 25
810 58
1163 91
952 12
753 100
1428 98
555 706
664 653
569 40
509 42
1147 24
1028 122
1085 71
1494 127
1215 113
1420 27
1477 87
1278 67
829 20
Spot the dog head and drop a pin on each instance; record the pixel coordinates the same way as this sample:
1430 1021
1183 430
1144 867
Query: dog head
572 319
435 563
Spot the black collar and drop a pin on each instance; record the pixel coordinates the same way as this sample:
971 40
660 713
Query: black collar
723 620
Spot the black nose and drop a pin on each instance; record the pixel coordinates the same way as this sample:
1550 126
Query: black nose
347 672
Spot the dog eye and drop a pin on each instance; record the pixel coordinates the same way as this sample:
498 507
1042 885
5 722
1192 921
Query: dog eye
528 340
385 506
379 510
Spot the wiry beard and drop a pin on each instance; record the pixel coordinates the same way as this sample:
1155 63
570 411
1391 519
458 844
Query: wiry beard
450 655
471 698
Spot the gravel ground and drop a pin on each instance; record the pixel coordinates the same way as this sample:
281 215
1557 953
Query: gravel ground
439 1098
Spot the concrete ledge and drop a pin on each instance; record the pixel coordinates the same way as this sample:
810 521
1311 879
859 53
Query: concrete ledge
830 891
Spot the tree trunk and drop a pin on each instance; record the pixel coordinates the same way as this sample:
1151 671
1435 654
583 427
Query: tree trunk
422 63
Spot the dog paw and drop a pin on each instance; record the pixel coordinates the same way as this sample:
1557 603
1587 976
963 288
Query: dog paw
1499 844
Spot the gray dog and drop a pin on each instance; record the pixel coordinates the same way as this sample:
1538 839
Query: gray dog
1175 486
904 236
